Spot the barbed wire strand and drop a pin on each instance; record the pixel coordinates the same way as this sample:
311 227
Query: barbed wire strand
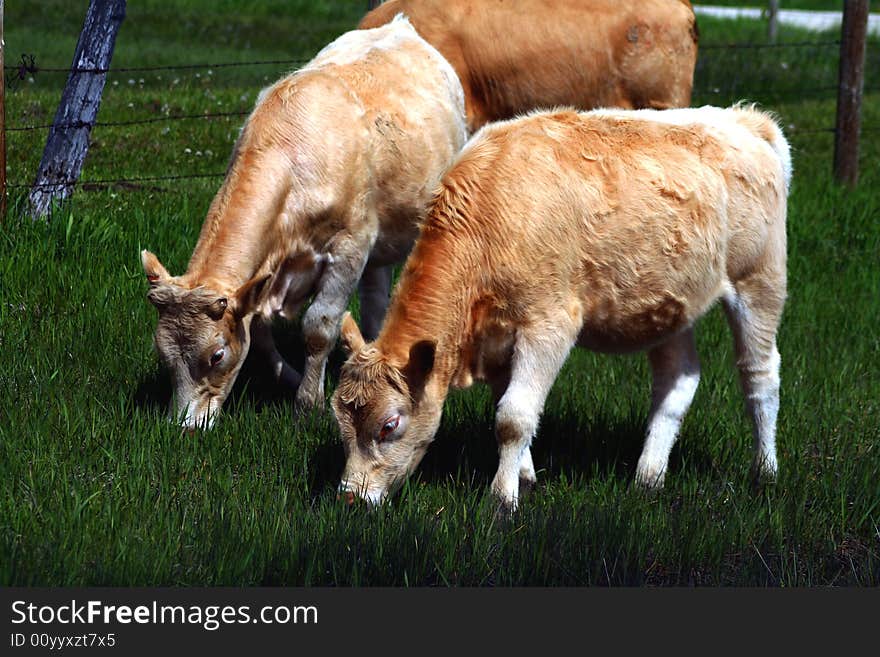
115 124
30 67
115 181
34 69
107 182
752 93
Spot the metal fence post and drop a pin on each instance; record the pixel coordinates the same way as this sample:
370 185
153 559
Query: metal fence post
849 92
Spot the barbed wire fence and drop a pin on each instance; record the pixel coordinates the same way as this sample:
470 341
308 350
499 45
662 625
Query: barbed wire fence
761 85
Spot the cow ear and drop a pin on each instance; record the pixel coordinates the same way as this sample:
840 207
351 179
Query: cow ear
248 296
156 273
420 365
352 340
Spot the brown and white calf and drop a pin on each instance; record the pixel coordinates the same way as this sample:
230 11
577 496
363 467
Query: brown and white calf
513 57
614 230
331 174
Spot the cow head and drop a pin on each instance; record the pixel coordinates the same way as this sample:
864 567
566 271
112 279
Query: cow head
202 337
386 412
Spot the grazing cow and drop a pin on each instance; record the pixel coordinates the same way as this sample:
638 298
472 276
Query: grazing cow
614 230
513 57
331 174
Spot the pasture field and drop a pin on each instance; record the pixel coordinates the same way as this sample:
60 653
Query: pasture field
96 488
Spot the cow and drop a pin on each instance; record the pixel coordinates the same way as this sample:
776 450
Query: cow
614 230
512 57
328 180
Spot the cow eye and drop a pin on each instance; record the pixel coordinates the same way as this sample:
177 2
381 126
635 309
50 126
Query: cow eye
389 427
217 356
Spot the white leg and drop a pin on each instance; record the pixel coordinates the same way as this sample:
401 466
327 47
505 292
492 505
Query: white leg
676 370
374 289
535 363
754 332
527 476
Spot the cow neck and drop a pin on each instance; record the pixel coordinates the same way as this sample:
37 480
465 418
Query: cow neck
241 233
432 302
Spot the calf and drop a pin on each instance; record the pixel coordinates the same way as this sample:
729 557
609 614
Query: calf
614 230
513 57
330 176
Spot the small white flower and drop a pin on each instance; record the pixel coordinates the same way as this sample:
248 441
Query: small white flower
198 153
115 83
209 153
198 75
131 81
187 150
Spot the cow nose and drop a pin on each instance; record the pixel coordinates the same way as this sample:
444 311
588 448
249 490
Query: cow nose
348 496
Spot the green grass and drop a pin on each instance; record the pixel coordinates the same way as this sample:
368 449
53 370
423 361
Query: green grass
98 489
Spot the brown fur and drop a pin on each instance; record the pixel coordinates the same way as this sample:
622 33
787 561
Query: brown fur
614 230
512 57
330 176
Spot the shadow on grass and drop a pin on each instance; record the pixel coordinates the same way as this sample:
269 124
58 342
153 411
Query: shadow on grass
467 450
254 385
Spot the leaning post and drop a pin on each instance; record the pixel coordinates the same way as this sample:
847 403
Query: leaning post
849 92
68 140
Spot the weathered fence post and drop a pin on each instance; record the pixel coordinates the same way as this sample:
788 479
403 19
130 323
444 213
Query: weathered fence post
372 4
849 92
2 119
772 20
68 140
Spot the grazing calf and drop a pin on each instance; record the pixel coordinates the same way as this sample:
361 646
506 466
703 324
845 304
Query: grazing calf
513 57
331 174
614 230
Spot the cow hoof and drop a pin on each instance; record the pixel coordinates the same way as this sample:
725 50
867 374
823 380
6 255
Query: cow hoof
650 479
304 407
762 477
526 486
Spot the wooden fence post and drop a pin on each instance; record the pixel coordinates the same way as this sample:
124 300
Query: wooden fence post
772 20
68 140
849 91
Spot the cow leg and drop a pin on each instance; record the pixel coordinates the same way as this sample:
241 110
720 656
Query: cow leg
374 289
261 336
535 363
754 315
676 371
321 321
499 379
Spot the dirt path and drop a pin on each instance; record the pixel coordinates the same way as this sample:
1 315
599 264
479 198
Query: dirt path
811 20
